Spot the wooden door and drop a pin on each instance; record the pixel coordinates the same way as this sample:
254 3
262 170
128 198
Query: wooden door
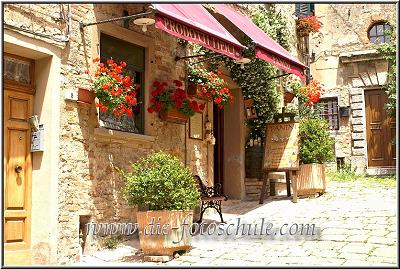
380 130
18 107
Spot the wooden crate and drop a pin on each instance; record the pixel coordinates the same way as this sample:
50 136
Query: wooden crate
311 179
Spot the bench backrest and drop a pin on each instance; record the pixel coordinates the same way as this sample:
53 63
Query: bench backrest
200 186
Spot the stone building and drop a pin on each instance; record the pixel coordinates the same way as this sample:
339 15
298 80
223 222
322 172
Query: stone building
344 59
51 193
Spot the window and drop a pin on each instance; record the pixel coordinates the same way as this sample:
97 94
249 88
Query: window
329 110
18 69
304 10
377 33
133 55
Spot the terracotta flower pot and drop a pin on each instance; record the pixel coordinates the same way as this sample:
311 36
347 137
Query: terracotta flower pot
164 240
195 90
174 116
85 96
288 97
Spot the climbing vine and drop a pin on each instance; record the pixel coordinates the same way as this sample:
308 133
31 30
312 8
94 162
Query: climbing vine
254 77
388 50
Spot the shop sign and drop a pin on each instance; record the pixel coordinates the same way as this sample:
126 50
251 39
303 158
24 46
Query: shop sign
197 36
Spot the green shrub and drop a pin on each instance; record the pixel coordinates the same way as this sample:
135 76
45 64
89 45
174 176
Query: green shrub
315 143
111 242
160 181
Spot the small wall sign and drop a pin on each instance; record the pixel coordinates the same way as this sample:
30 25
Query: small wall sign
196 126
249 109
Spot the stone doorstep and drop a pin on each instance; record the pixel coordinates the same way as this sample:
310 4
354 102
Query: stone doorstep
377 171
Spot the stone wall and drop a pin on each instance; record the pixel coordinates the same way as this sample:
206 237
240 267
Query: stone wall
88 183
343 54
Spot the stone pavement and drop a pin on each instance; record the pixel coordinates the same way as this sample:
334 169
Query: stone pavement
355 224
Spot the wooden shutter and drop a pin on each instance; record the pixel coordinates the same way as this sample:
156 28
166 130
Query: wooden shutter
303 10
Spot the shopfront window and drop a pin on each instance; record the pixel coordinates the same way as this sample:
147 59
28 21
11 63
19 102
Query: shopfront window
133 55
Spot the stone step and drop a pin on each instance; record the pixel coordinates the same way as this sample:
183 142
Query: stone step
252 189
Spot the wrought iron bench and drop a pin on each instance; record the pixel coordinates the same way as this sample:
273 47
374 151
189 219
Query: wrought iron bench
210 197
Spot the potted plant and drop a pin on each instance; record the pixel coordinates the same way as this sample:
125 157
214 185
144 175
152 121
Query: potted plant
172 103
208 85
308 24
115 91
315 150
166 189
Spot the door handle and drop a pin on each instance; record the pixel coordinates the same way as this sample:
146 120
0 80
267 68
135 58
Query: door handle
18 169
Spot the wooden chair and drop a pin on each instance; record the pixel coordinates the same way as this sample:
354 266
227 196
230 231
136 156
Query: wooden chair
210 197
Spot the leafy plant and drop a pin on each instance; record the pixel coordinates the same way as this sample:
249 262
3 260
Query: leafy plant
160 181
116 92
167 96
111 242
389 52
315 142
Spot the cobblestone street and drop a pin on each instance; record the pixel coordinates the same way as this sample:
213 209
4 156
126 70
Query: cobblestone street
355 225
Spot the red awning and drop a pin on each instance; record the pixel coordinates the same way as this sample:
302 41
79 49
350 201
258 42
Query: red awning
194 23
266 48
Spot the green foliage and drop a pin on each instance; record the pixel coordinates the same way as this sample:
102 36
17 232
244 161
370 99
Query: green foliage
111 242
160 181
346 175
253 78
389 51
315 142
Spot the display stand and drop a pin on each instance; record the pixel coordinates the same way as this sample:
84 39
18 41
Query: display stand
281 152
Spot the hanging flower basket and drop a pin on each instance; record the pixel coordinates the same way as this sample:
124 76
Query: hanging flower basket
85 96
307 25
173 115
195 90
288 97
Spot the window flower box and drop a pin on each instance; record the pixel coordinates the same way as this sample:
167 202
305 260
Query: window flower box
173 115
172 103
85 96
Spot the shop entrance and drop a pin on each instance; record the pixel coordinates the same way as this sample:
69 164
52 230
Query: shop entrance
218 120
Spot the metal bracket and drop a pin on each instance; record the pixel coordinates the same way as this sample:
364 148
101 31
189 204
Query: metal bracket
83 25
286 74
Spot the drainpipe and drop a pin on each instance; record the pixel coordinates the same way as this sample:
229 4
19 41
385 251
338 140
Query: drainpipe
307 44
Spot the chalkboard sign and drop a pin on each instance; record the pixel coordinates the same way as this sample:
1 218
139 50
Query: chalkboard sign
282 146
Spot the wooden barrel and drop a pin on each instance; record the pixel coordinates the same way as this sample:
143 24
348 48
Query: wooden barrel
253 161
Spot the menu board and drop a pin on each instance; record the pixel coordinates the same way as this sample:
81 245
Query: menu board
282 146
